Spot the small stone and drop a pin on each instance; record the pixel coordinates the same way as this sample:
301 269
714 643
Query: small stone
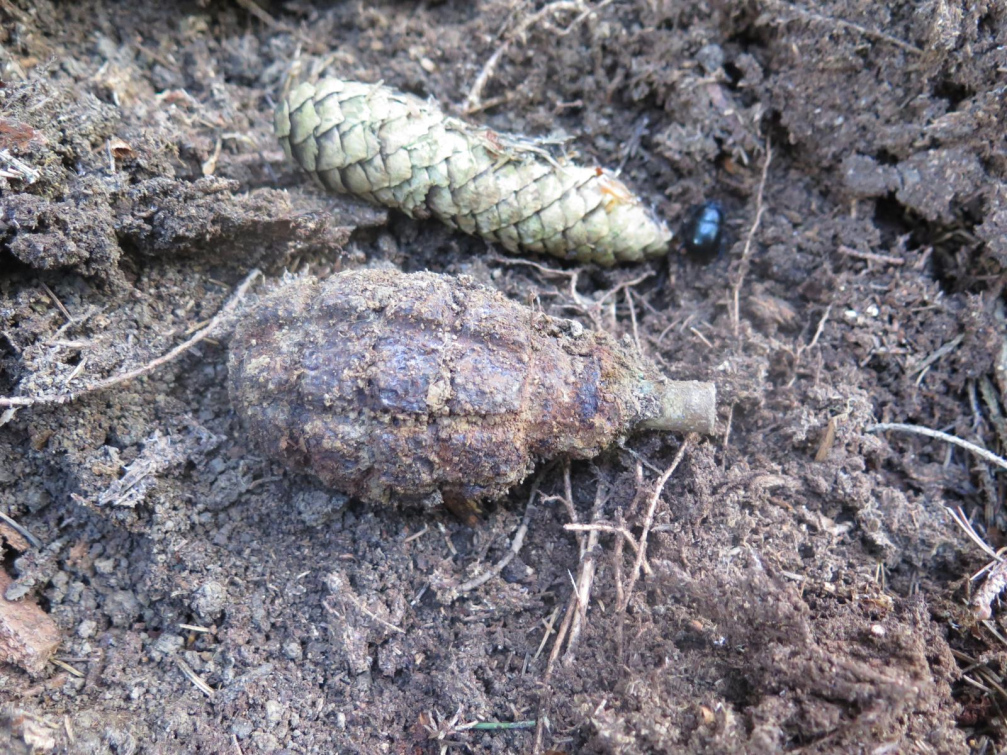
317 508
292 650
274 712
122 608
169 644
17 590
517 571
209 600
711 58
57 587
864 176
74 592
241 728
87 628
265 742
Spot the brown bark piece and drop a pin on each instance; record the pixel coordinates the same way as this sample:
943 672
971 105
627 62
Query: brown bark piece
13 538
22 733
28 637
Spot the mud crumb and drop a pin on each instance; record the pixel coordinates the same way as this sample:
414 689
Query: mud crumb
798 593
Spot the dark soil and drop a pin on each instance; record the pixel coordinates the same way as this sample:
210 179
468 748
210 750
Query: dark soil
807 588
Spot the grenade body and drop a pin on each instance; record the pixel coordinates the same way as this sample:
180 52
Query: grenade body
393 386
399 151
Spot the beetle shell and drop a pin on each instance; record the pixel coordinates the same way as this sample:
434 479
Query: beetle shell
388 385
399 151
703 232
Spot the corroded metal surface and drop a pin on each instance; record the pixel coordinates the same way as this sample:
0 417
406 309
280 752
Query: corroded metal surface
390 385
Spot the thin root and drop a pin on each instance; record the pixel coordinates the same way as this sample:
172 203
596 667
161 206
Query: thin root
515 547
474 102
982 453
760 207
585 580
849 25
648 522
100 385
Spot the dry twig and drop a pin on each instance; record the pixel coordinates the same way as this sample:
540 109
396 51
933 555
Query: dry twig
196 680
474 102
606 527
982 453
22 531
648 522
962 521
67 667
515 547
585 579
632 319
996 583
943 351
59 304
547 633
887 259
760 207
849 25
547 676
100 385
995 570
996 416
571 609
15 168
266 18
799 351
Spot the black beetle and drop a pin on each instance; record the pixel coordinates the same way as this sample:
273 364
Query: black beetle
703 231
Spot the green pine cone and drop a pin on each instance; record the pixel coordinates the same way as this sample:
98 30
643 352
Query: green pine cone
396 150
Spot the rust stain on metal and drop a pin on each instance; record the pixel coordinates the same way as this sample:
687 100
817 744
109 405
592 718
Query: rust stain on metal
388 385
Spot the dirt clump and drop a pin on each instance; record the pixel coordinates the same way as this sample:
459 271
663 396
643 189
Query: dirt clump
795 582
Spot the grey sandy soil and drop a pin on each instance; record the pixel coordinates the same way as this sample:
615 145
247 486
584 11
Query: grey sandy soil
806 589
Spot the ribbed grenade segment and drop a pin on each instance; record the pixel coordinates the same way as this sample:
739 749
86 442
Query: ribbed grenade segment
396 150
392 386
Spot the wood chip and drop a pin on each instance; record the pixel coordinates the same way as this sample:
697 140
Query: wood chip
28 637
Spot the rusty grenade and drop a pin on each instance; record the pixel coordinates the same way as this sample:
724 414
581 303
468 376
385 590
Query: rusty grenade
423 387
